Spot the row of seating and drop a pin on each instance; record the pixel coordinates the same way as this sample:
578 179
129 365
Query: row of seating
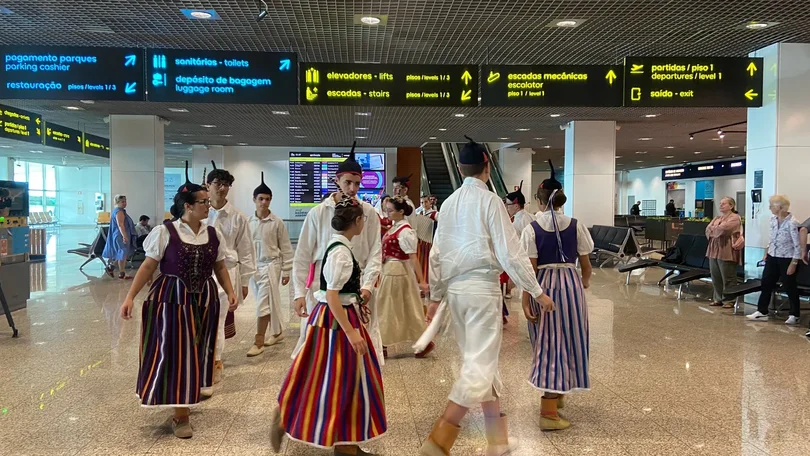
36 219
687 258
755 286
618 243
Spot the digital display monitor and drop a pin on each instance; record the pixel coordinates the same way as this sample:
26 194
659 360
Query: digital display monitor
312 175
693 82
98 146
72 73
20 125
704 170
63 137
551 85
361 84
13 199
370 196
176 75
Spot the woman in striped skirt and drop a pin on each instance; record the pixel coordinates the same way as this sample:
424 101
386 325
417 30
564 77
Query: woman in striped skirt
559 333
333 396
180 315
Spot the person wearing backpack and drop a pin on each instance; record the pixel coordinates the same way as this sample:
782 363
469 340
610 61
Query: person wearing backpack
723 252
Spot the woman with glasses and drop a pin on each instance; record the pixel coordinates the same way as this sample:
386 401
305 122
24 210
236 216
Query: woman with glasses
180 315
121 237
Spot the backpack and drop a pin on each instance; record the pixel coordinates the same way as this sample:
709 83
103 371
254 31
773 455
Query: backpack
673 255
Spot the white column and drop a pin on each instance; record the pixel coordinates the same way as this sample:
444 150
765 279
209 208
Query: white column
136 163
201 157
778 143
517 166
590 171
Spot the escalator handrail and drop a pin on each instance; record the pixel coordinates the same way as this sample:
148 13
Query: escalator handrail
424 184
496 175
450 161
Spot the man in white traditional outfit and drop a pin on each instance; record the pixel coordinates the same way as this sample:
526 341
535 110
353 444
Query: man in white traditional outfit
474 242
402 184
274 258
516 207
315 236
233 225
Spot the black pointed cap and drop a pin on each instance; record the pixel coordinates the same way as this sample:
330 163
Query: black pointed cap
551 183
350 165
189 186
262 189
517 196
472 153
403 180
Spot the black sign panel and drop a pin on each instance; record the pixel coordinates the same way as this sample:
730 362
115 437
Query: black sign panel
71 73
355 84
222 76
693 82
704 170
551 85
62 137
96 145
21 125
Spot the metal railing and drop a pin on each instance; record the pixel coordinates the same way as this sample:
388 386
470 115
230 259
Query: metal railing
450 151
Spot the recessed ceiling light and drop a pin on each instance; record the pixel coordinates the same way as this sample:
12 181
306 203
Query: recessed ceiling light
300 136
459 114
669 147
650 116
370 20
442 129
226 136
669 156
757 25
208 126
641 152
5 146
87 101
567 23
241 144
293 128
175 143
555 115
546 147
432 137
178 109
361 137
697 152
361 128
618 156
639 161
522 129
362 113
733 147
716 139
645 139
719 156
503 138
36 151
281 113
201 14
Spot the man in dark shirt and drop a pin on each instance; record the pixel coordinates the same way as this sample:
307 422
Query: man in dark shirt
671 211
636 209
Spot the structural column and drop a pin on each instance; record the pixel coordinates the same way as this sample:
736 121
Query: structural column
590 171
778 144
517 167
136 164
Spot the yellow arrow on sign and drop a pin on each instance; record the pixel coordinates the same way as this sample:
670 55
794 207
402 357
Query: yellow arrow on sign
466 95
751 94
48 131
493 76
752 68
466 77
611 76
38 120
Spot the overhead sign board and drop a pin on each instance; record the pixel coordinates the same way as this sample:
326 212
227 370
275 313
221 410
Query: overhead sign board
693 82
96 145
71 73
704 170
20 125
175 75
62 137
551 85
388 85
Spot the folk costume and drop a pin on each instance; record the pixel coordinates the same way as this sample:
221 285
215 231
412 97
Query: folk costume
520 220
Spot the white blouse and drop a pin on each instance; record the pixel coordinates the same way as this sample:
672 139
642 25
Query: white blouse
155 244
406 238
337 270
584 240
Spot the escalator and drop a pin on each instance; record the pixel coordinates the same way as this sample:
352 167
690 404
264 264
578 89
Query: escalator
440 174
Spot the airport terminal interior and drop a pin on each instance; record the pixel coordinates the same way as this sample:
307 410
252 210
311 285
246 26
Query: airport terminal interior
160 144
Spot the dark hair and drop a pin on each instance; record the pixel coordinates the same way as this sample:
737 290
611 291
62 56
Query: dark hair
346 216
180 201
472 170
143 217
401 205
544 194
221 175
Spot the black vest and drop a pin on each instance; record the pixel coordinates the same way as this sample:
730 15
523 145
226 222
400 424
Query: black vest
353 285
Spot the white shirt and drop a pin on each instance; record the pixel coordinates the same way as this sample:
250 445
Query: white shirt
528 238
476 238
316 235
406 238
238 245
155 243
521 220
142 230
337 270
271 241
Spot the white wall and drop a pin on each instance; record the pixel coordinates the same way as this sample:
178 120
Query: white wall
5 167
76 193
646 184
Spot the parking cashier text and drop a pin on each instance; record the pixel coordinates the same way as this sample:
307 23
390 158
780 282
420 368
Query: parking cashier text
42 62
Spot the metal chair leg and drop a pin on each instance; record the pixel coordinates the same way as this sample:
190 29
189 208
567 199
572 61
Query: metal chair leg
14 332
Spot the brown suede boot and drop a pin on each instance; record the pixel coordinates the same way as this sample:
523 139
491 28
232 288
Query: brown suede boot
258 346
550 420
441 439
497 432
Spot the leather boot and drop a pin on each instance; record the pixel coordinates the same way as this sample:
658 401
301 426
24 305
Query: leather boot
441 439
550 420
497 432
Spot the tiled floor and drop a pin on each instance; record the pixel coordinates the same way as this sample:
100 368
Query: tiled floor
669 378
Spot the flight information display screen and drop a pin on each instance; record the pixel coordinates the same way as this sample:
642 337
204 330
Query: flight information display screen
63 137
693 82
20 125
222 76
551 85
355 84
72 73
312 175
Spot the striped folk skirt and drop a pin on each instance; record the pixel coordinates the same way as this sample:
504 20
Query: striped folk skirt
560 338
178 333
330 395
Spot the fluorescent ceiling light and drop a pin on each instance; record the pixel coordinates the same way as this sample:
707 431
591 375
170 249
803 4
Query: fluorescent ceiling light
639 161
459 115
432 137
241 144
539 139
733 147
4 146
555 115
87 101
566 22
522 129
281 113
300 137
669 147
178 109
503 138
697 152
208 126
293 128
362 113
546 147
757 25
361 128
361 137
226 136
36 151
370 20
641 152
645 139
442 129
669 156
73 108
618 156
175 143
650 116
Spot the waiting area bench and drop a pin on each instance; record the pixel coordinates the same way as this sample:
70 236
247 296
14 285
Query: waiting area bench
94 250
616 242
738 292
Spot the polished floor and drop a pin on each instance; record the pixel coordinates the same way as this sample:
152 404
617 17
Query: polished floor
669 378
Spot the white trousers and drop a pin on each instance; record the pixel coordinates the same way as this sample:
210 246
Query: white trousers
476 310
265 286
233 273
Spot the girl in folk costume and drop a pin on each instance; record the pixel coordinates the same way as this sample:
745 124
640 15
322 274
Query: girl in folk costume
274 257
402 316
382 211
558 331
181 313
333 393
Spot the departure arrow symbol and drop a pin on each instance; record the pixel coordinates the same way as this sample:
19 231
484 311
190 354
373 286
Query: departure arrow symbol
129 89
493 76
466 77
284 65
130 60
611 76
751 69
751 94
466 95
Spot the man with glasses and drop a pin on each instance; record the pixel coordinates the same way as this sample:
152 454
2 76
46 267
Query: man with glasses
235 229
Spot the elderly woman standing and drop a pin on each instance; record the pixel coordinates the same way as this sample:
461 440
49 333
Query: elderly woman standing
121 237
723 258
781 260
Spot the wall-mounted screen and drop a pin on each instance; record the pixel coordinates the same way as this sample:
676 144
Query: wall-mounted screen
13 199
312 175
